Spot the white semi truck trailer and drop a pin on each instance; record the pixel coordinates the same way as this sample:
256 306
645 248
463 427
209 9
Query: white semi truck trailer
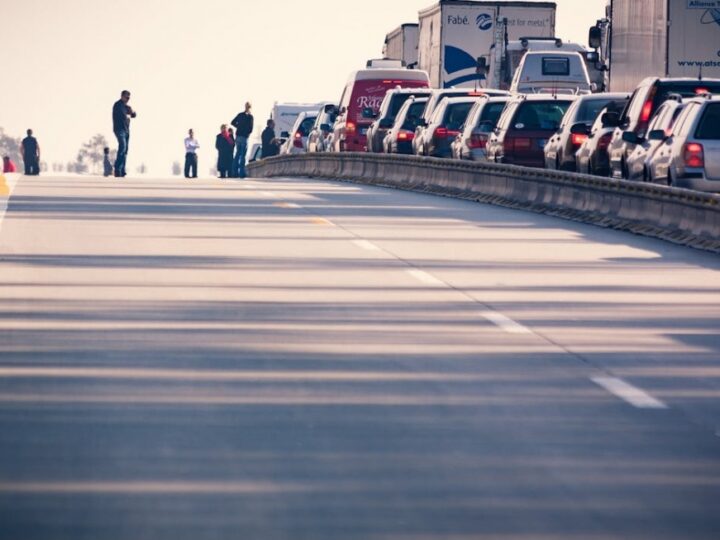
402 44
662 38
454 34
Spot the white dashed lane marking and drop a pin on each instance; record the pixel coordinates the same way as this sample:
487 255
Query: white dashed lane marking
506 323
364 244
632 394
425 278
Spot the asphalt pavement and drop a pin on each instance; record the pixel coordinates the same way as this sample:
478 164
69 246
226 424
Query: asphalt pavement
300 359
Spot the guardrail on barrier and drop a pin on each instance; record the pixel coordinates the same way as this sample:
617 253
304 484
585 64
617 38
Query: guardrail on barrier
677 215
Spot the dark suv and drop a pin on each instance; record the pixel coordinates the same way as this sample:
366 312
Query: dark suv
524 128
645 100
385 117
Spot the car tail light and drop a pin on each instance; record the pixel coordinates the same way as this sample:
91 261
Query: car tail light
350 127
702 91
297 142
478 141
577 139
604 141
443 133
405 136
646 111
694 155
523 143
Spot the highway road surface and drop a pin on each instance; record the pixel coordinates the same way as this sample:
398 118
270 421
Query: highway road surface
300 359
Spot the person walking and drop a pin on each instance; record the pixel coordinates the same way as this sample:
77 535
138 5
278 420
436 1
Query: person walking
191 159
243 123
122 113
107 166
270 144
224 144
30 150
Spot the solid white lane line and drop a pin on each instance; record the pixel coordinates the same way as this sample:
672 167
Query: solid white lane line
286 205
364 244
426 278
505 323
632 394
267 194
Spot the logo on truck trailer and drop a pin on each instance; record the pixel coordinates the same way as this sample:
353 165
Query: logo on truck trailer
484 22
711 16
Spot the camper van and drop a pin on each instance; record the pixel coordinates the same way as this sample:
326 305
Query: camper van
561 72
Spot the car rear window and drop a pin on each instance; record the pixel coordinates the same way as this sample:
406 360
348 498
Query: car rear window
396 104
709 126
558 67
306 125
491 113
456 114
414 114
685 89
591 108
540 115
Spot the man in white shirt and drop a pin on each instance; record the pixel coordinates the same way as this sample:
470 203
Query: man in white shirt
191 162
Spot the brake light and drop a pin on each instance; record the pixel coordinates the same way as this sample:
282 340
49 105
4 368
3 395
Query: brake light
523 143
478 141
406 136
701 91
604 141
646 111
298 143
577 139
350 127
443 133
694 155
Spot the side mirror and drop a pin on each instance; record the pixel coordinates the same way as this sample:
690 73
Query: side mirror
579 129
595 37
385 123
368 112
657 135
610 119
631 137
284 134
325 127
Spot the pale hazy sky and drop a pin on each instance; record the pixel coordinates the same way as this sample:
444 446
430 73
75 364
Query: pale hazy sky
189 64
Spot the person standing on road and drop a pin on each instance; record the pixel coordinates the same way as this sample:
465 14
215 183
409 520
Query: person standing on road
224 144
8 165
107 166
122 113
243 122
191 160
30 150
270 144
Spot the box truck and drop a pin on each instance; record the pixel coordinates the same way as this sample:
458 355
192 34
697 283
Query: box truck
660 38
402 44
454 34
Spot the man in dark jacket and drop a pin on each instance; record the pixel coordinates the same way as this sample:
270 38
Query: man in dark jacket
31 154
122 112
243 123
270 144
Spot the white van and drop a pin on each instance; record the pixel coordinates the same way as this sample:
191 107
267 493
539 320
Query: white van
552 72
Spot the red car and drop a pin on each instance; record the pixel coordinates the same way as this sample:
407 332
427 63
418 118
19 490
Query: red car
524 128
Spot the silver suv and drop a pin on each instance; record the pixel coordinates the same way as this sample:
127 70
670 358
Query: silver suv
695 146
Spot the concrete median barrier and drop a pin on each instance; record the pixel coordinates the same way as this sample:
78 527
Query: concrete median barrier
677 215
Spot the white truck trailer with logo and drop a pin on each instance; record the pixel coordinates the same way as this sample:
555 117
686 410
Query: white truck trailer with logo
661 38
402 44
285 115
455 33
